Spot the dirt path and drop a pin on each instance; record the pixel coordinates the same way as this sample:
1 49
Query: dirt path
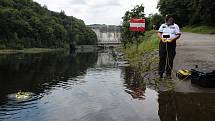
194 49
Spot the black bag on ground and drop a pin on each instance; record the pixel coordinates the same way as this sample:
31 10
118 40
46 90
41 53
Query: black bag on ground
203 78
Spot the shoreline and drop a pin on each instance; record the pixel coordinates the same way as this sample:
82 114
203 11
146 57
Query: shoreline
146 63
29 50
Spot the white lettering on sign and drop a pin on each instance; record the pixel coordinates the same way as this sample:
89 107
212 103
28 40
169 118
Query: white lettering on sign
137 25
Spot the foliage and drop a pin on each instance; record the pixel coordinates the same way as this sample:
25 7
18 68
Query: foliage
127 35
148 43
155 20
25 24
199 29
189 12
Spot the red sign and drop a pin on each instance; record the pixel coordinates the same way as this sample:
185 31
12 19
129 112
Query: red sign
137 25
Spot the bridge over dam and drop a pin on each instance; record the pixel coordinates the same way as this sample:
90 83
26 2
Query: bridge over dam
108 35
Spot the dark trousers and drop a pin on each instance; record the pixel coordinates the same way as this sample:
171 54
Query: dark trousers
167 55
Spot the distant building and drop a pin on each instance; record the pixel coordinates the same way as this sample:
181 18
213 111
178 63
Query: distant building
107 33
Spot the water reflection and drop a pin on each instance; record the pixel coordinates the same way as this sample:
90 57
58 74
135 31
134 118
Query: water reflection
134 84
78 86
174 106
89 87
27 72
38 74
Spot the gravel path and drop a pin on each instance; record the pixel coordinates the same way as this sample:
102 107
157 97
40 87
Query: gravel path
194 49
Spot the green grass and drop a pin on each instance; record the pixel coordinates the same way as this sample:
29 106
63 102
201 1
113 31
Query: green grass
148 43
199 29
28 50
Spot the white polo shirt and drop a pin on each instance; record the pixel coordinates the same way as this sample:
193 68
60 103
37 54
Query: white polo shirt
172 30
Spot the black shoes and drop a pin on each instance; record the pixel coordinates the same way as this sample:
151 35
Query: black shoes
168 76
160 76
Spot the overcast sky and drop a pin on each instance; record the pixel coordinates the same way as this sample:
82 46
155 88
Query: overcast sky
98 11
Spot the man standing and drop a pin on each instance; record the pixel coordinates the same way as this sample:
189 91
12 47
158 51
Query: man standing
168 33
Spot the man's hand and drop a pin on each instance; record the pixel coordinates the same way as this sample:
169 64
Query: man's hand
163 39
169 40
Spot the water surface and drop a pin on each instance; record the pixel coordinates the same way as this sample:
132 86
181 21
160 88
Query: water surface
89 87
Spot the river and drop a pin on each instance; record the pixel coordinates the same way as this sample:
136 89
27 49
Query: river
89 86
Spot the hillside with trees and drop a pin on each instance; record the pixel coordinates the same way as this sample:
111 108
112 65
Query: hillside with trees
189 12
27 24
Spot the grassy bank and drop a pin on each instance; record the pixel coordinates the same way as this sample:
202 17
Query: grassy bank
148 44
144 61
199 29
28 50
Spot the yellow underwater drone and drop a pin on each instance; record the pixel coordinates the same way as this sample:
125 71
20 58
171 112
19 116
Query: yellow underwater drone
200 77
203 78
183 74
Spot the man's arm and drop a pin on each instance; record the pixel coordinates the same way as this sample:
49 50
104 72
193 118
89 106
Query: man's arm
159 34
178 33
177 37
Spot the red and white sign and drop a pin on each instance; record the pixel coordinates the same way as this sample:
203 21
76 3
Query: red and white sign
137 25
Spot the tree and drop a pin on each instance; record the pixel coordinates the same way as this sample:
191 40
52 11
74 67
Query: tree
127 35
189 12
155 20
24 23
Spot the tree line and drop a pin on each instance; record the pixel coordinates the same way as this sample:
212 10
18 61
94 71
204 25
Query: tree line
189 12
27 24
